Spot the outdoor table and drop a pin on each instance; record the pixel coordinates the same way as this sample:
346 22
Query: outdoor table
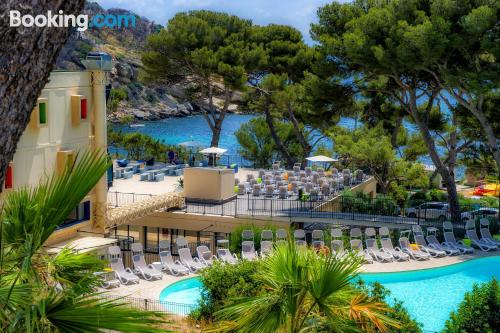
119 172
151 174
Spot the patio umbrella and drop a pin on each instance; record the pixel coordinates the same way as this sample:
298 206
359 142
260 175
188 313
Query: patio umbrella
321 159
214 151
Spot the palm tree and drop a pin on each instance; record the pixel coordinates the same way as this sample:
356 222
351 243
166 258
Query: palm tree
56 293
304 292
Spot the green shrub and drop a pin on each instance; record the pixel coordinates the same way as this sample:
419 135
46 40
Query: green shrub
438 195
494 226
479 311
381 294
222 282
418 198
361 203
235 240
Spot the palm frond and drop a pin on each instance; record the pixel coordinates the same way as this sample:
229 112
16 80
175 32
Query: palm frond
74 270
92 315
40 210
13 297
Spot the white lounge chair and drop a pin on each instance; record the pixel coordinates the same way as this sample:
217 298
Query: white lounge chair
485 232
248 251
175 267
281 235
405 246
205 255
357 245
125 275
337 242
181 242
227 257
470 232
373 249
434 243
420 240
386 242
266 242
194 264
300 237
449 239
317 238
148 272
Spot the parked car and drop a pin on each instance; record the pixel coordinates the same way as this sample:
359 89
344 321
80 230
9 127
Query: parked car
480 212
430 210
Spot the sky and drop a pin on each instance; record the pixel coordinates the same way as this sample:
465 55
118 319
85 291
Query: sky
297 13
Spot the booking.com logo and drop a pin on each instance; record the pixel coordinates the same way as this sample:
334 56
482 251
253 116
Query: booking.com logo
82 22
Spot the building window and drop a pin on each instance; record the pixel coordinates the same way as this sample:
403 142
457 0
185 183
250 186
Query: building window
64 159
80 214
83 108
9 179
79 109
152 239
42 113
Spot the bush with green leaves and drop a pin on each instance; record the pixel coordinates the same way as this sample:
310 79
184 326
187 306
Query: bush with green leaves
235 240
361 203
141 146
222 282
479 311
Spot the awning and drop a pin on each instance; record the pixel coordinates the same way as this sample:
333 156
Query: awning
321 159
82 244
124 215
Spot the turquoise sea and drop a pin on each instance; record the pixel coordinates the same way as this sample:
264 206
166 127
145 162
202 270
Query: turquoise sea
177 130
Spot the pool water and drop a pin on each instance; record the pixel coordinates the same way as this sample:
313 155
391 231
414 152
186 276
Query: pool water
187 292
428 295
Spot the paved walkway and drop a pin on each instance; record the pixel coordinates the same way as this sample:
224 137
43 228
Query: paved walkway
378 267
152 289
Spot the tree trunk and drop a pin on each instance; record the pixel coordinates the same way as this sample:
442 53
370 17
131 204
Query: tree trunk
274 134
446 174
306 147
395 132
28 54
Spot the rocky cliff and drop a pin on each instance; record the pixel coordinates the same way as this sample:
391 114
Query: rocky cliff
129 96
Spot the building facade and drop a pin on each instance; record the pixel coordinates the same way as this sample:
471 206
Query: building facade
69 117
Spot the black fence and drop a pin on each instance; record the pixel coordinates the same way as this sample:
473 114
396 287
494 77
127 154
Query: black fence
119 199
341 208
169 309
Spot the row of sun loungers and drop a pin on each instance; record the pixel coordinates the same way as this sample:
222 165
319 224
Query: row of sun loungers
184 265
424 248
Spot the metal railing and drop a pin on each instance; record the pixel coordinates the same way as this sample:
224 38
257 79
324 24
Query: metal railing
169 309
120 199
319 207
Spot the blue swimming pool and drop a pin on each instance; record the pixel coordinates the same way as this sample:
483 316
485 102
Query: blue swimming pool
429 295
